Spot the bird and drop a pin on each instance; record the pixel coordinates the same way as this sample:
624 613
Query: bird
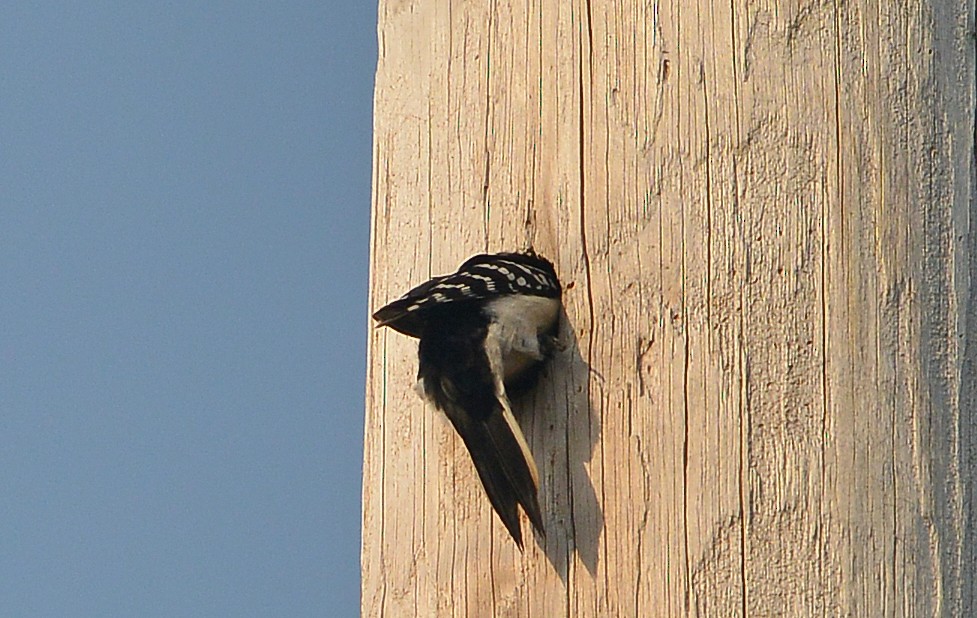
485 332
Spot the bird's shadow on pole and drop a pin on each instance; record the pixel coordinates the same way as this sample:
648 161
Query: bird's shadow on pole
565 426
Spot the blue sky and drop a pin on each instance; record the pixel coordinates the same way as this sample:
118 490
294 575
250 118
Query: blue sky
184 228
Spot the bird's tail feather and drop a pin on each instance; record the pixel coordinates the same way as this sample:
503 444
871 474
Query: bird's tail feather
504 464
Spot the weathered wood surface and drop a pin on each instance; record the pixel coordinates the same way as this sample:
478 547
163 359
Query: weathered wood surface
767 404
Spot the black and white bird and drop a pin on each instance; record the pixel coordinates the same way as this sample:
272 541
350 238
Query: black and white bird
484 332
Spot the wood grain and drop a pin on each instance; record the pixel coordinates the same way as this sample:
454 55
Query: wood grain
767 402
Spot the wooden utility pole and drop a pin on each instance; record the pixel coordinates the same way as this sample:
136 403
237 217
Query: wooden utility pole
767 404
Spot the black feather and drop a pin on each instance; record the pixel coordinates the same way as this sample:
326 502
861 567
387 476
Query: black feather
475 280
449 316
455 375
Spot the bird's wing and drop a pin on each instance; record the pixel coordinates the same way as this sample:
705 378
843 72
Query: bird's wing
481 277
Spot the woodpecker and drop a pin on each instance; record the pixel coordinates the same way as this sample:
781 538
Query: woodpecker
485 332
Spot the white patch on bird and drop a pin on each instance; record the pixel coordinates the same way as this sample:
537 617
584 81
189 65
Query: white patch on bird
496 362
521 281
542 278
441 417
518 320
461 287
421 391
413 307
